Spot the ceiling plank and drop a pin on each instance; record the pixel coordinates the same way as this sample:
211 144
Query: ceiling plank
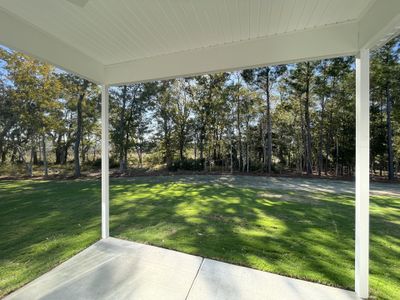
330 41
26 38
379 24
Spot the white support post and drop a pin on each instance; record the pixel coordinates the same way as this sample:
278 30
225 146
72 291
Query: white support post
362 174
105 198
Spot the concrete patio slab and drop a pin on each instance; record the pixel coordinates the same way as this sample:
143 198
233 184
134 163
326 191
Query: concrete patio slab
222 281
118 269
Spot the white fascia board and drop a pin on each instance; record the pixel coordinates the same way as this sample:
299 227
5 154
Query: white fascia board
379 24
19 35
326 42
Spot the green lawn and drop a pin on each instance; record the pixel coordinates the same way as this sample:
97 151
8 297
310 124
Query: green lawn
308 235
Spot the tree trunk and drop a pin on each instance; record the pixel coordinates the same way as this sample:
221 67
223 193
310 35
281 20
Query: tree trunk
78 135
125 148
84 149
247 158
65 147
3 155
195 148
78 139
247 146
2 151
30 164
264 145
58 150
337 157
121 129
320 133
239 137
389 134
201 147
269 125
167 144
64 155
140 155
35 159
328 138
231 154
209 159
327 150
13 155
45 164
182 139
308 122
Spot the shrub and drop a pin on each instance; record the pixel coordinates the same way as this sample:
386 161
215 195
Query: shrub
186 164
113 163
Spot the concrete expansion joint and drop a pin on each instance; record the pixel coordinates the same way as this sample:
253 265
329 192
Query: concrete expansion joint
195 278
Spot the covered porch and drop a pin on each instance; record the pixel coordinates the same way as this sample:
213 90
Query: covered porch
114 43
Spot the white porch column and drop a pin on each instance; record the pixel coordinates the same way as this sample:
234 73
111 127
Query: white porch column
362 174
105 232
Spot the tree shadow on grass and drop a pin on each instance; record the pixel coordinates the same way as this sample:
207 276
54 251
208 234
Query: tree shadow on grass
298 238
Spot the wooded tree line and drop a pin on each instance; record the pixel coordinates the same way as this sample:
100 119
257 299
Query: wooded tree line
42 110
298 117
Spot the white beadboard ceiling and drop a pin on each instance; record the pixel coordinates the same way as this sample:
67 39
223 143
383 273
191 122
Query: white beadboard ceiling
124 30
125 41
